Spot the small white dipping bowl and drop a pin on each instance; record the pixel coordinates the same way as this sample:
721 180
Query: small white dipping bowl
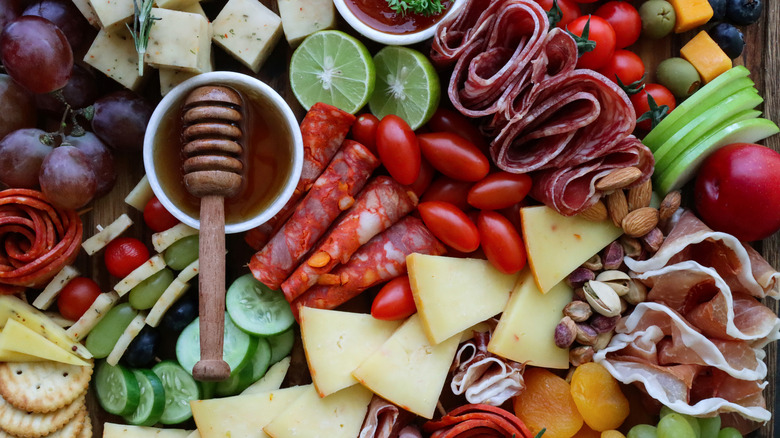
392 39
170 106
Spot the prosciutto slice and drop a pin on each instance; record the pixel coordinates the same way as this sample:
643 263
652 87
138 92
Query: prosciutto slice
383 419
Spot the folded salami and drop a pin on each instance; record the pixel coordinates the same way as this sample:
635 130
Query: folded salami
477 420
331 194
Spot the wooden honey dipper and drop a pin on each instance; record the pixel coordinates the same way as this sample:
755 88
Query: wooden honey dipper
213 170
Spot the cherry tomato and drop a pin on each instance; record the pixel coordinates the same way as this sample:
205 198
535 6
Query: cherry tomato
626 65
398 149
599 31
157 217
423 181
364 130
661 95
394 301
447 120
499 190
446 189
450 224
454 156
123 255
569 10
624 19
501 242
76 297
586 1
736 191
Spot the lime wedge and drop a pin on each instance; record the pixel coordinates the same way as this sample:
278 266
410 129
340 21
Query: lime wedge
332 67
406 85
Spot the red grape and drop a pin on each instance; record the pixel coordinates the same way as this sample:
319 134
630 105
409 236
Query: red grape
80 92
65 15
9 10
100 159
66 177
21 155
14 96
120 120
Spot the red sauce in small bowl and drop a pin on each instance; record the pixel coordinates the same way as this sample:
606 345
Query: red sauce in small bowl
378 15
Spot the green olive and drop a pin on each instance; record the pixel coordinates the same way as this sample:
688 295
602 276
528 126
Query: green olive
658 18
679 76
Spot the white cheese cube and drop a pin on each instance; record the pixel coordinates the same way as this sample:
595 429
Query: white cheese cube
114 54
86 10
170 78
140 195
301 18
112 14
247 30
194 8
179 40
177 5
107 234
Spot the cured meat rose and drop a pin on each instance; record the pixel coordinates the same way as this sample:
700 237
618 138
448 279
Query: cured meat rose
381 259
332 193
378 206
477 420
384 419
36 239
323 129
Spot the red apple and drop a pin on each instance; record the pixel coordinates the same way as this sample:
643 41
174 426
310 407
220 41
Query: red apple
738 191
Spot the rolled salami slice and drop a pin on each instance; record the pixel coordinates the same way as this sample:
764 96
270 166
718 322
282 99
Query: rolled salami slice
378 206
323 129
332 193
381 259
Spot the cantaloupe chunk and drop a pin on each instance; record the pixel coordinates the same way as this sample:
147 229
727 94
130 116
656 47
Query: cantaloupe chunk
690 14
706 56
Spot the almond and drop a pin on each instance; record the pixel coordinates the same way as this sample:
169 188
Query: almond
639 196
618 179
596 212
640 221
670 204
617 205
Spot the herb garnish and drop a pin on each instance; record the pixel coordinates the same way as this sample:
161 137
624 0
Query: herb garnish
424 7
142 24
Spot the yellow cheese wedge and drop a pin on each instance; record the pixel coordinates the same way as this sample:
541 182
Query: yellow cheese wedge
337 342
272 380
113 430
690 14
452 294
526 330
243 415
17 337
556 244
338 415
12 356
407 370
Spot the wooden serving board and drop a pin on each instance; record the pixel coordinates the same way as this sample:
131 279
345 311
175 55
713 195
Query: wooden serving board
761 56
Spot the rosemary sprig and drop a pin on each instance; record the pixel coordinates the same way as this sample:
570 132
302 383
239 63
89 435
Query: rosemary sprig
142 24
424 7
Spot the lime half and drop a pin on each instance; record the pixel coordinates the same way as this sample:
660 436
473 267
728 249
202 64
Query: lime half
332 67
406 85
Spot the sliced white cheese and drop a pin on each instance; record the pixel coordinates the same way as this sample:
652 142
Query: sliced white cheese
337 342
102 304
55 286
172 293
175 4
301 18
195 434
21 339
272 380
193 8
189 272
132 330
453 294
107 234
141 273
164 239
140 195
113 430
114 55
86 10
338 415
179 40
408 370
248 31
526 330
112 14
59 319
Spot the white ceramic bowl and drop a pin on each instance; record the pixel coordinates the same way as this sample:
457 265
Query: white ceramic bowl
170 106
389 38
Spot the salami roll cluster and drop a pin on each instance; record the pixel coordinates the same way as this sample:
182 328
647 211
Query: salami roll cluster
36 239
477 420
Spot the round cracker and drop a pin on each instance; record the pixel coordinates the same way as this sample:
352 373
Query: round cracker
31 425
86 429
73 429
42 387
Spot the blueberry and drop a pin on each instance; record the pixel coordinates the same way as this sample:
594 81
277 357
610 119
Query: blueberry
140 353
718 9
729 38
743 12
181 313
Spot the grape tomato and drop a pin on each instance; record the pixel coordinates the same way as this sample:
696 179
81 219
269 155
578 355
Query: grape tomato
123 255
501 242
446 189
499 190
76 297
660 94
398 149
624 65
157 217
624 19
424 179
394 301
447 120
364 131
454 156
450 225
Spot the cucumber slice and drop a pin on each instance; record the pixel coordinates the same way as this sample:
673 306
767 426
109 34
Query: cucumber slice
281 345
257 309
117 389
251 373
180 390
237 349
152 402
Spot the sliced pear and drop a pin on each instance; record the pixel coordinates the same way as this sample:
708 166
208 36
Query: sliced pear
722 87
744 131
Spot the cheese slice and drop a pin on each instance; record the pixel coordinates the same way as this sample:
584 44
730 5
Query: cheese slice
59 319
243 415
140 195
189 272
164 239
272 380
132 330
113 430
107 234
46 298
12 356
338 415
113 53
179 40
86 10
195 434
526 330
102 304
557 245
453 294
170 295
337 342
21 339
408 370
12 307
141 273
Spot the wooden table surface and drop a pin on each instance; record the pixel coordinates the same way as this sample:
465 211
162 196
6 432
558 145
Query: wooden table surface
761 56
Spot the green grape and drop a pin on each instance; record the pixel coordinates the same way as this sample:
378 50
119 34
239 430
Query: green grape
665 410
729 432
183 252
709 427
103 337
693 421
147 292
642 431
675 426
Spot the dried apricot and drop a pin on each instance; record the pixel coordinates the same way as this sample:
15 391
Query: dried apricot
546 403
612 434
598 397
587 432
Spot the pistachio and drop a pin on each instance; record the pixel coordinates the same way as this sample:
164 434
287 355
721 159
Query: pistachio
579 311
602 298
653 240
631 247
593 263
623 306
637 292
579 276
565 333
603 324
580 294
586 335
617 280
612 256
581 355
602 340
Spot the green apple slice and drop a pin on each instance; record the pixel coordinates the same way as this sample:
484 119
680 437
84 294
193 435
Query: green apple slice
712 93
744 131
700 126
